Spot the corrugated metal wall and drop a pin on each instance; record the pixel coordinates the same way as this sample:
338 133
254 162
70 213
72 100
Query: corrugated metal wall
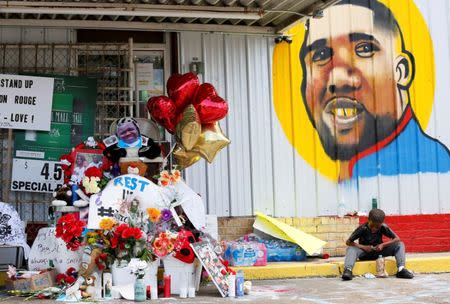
241 178
264 170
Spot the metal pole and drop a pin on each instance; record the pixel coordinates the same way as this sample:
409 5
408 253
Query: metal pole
7 184
131 76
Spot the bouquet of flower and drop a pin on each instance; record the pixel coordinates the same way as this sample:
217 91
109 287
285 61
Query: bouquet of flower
67 278
70 230
164 243
137 268
122 241
166 177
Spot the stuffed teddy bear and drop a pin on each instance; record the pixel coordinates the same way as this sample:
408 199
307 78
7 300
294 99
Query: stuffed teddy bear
88 288
63 196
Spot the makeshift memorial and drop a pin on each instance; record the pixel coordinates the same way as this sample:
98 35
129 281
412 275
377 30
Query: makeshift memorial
191 112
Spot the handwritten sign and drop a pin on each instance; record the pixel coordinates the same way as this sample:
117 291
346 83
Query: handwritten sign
25 102
113 200
47 247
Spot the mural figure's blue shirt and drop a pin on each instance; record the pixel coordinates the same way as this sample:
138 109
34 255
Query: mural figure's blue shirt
410 152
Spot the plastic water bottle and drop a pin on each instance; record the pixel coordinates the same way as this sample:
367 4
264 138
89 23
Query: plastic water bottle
240 284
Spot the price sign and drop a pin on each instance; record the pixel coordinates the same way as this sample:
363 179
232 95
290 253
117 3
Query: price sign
36 175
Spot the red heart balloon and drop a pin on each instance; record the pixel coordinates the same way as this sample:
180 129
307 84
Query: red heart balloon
163 111
211 109
203 91
181 89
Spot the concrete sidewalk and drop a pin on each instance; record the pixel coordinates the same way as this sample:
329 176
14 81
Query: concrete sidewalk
333 267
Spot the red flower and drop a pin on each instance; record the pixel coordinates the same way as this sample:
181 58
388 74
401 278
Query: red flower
70 280
69 229
70 271
114 242
100 264
120 229
93 172
60 278
132 232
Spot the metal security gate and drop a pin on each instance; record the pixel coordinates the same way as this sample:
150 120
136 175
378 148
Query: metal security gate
110 63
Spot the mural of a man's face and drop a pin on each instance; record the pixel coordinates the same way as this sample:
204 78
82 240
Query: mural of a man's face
355 79
127 132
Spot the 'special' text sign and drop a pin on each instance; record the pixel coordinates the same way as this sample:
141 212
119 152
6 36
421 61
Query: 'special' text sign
25 102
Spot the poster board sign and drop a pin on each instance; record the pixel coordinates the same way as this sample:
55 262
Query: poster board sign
213 265
47 247
115 198
25 102
275 228
32 175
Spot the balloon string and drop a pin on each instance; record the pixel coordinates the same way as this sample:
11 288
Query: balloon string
164 162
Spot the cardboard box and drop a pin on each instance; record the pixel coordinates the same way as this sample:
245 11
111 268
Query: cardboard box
35 283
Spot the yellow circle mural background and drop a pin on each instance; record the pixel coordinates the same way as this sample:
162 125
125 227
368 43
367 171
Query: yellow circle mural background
287 77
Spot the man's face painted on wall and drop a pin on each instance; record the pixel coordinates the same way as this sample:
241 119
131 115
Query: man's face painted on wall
351 91
127 132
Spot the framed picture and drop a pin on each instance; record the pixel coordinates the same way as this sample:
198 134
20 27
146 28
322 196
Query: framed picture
213 265
85 158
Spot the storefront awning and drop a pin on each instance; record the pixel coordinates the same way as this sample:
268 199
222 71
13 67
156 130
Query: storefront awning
231 16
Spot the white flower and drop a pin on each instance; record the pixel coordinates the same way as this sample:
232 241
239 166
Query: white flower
91 184
90 142
12 271
137 266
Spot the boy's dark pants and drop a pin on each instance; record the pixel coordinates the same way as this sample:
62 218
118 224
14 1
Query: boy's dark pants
354 253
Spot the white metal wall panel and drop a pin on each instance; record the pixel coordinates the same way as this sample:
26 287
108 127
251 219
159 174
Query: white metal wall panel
218 174
259 101
238 125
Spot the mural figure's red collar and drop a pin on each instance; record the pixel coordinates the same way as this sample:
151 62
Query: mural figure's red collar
407 115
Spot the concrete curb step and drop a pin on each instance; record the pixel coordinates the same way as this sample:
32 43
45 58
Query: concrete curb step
334 268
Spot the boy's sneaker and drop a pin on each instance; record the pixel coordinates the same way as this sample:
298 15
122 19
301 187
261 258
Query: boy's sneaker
347 275
404 274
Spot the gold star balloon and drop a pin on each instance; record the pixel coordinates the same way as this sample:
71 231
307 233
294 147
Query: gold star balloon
185 158
210 141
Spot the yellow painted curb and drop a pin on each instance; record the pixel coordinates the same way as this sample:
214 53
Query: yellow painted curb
286 270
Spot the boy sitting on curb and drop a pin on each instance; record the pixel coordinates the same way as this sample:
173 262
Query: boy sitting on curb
370 245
